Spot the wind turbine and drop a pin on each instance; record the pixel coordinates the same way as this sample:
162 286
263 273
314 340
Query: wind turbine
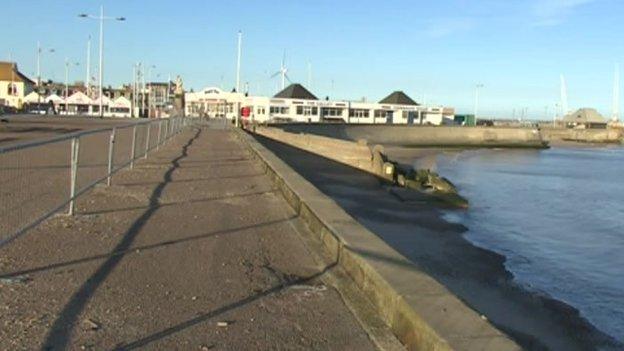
283 72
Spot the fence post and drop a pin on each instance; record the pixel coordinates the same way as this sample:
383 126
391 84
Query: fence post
75 151
133 150
111 151
159 133
147 140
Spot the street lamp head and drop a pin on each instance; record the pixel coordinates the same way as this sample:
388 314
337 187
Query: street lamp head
120 18
83 15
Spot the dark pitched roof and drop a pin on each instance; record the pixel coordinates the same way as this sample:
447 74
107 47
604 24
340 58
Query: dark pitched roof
398 98
9 71
585 115
296 91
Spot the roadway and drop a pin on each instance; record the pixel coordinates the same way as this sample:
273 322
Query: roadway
24 127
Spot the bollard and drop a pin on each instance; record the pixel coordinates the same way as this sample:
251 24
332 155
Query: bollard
147 140
75 151
111 151
133 150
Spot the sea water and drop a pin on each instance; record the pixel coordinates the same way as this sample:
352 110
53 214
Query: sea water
558 217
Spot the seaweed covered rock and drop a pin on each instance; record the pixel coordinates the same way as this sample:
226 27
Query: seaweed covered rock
436 185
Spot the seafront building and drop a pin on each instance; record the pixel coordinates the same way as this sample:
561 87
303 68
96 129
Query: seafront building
14 85
297 104
585 118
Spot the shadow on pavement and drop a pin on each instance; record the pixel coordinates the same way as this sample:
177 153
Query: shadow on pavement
60 332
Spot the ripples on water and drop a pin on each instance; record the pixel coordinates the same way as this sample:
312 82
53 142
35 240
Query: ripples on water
558 217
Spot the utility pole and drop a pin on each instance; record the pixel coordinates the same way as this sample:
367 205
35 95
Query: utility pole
101 18
67 64
616 93
66 86
101 71
39 65
149 91
39 51
133 104
88 80
168 89
238 62
143 90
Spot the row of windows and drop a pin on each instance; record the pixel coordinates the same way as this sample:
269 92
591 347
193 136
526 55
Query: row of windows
278 110
307 110
120 109
383 114
359 113
331 112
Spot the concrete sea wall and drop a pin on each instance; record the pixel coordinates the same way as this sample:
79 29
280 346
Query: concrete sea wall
610 135
422 313
356 155
425 136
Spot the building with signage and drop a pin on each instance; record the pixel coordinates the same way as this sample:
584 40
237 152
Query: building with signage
297 104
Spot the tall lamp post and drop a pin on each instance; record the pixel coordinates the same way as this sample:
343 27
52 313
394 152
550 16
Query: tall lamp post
149 91
238 61
101 18
39 52
67 64
88 80
476 105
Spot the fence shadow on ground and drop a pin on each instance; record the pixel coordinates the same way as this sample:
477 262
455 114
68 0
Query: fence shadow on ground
60 332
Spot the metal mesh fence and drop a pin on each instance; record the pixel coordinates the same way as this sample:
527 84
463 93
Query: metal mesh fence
92 160
34 181
40 178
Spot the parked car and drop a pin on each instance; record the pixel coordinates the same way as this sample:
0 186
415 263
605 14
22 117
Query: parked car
40 108
7 110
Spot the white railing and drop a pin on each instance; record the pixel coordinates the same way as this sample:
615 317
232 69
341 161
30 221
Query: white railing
44 177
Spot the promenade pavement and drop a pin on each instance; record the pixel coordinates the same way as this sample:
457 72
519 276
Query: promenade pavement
192 250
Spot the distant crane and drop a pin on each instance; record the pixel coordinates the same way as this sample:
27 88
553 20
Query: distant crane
283 72
564 97
616 93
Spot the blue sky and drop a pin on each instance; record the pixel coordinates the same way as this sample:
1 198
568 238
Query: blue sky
433 49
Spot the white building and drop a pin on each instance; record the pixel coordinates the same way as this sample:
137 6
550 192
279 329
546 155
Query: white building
120 107
297 104
14 86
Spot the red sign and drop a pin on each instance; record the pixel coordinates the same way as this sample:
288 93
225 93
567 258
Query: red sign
246 111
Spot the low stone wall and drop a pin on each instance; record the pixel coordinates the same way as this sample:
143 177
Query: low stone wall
422 313
425 136
610 135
